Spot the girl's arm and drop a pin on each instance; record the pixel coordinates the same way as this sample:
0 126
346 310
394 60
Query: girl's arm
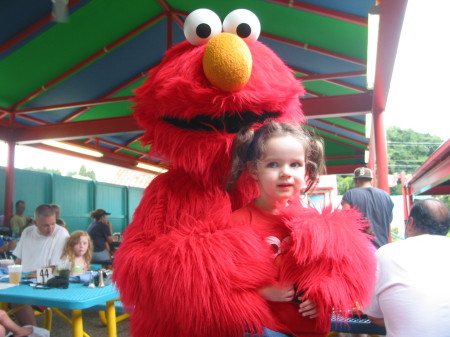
277 293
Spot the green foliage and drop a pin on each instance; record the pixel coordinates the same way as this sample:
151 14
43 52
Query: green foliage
408 149
444 198
344 183
44 169
396 190
82 172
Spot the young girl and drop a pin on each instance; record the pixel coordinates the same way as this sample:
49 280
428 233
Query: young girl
78 250
7 324
285 161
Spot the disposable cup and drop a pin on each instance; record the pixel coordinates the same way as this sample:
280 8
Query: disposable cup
15 273
63 268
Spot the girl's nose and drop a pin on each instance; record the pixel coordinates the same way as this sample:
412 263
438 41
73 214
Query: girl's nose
285 172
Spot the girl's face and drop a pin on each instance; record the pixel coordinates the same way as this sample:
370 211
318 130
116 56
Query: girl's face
81 247
281 171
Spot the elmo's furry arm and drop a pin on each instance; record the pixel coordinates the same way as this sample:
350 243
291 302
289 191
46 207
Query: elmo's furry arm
197 278
332 261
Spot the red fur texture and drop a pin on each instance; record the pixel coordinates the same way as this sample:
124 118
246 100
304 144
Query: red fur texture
178 88
184 271
181 268
331 260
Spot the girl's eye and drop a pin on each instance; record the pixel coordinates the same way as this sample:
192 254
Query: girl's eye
243 23
272 165
201 25
297 164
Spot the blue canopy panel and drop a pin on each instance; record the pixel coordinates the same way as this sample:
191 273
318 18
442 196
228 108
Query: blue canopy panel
317 63
30 12
128 60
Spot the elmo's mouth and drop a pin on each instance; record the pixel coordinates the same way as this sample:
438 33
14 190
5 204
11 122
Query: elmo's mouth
229 122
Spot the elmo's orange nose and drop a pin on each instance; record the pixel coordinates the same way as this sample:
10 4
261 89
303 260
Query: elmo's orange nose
227 62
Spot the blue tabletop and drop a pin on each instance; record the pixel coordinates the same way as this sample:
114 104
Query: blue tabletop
76 296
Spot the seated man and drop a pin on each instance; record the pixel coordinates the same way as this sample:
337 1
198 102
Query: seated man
411 296
39 246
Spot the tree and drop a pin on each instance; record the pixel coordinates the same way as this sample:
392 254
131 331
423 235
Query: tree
408 149
44 169
82 172
344 183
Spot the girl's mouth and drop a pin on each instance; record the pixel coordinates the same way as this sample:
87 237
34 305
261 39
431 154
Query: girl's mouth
284 185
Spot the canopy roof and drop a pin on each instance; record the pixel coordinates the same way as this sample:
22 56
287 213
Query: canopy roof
73 81
433 176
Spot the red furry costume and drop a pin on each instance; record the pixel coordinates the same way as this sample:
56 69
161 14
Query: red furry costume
182 268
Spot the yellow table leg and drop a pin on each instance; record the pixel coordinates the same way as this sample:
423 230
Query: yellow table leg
77 323
48 317
111 319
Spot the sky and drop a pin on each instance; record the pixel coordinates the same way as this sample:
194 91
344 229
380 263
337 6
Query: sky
26 156
419 92
417 98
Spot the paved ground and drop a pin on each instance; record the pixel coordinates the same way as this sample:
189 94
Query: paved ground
91 323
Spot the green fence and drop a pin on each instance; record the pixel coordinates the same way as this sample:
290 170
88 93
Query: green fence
76 197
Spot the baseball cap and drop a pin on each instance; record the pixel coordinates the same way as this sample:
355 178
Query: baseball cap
99 213
363 172
103 212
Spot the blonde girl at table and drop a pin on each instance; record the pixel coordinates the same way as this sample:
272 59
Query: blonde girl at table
78 250
7 324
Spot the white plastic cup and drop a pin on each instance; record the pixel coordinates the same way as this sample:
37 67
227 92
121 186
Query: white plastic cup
63 268
15 273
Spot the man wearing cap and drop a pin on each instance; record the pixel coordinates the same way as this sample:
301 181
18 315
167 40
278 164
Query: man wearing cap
375 205
100 231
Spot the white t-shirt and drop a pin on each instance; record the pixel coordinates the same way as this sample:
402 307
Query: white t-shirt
412 292
37 251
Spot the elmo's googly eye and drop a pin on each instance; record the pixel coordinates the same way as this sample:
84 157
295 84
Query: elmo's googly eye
243 23
201 25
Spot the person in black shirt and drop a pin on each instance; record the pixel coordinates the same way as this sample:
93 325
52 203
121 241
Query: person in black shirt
374 204
100 231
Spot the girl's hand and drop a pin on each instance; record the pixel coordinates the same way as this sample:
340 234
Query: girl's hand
277 293
308 309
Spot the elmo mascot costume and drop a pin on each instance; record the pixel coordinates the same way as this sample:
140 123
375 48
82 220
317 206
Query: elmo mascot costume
182 269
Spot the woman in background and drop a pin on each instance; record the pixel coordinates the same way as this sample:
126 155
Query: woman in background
100 231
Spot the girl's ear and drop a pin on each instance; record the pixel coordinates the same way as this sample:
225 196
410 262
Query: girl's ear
252 169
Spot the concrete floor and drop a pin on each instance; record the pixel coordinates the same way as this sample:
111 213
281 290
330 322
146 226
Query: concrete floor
91 324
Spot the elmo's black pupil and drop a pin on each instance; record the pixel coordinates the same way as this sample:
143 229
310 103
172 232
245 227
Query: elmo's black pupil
243 30
203 30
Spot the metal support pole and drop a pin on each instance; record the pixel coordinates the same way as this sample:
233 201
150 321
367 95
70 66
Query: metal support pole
381 150
9 182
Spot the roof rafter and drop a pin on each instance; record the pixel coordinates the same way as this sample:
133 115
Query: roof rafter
315 49
337 106
75 130
33 28
342 169
317 107
108 94
73 105
322 11
340 127
310 76
331 76
88 60
304 45
340 136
